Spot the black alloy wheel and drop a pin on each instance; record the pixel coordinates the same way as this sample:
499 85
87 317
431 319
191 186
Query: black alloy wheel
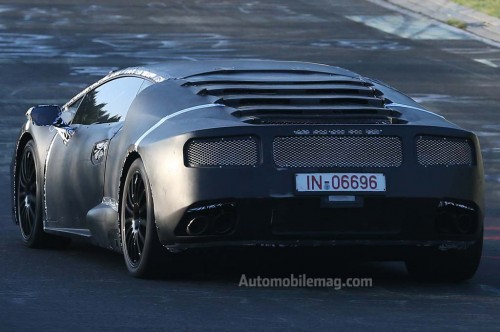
27 195
29 202
144 255
135 219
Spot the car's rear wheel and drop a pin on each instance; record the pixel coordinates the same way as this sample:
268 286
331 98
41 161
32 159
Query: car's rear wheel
29 197
144 255
445 266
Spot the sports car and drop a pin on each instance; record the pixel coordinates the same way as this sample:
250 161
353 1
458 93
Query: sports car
157 160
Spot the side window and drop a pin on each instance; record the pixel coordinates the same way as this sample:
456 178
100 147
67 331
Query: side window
108 102
69 113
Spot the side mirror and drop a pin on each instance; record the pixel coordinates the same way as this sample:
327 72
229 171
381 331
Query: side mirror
50 115
44 115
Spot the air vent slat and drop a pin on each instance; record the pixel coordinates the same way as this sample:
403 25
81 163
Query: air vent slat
320 119
273 72
242 86
305 100
326 115
320 109
316 113
285 90
272 79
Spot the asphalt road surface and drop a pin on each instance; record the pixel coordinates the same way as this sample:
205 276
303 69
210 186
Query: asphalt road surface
49 50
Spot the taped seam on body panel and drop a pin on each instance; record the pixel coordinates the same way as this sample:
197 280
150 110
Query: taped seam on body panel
46 219
413 107
111 202
134 71
189 109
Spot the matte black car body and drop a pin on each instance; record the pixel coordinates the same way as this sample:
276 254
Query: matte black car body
222 142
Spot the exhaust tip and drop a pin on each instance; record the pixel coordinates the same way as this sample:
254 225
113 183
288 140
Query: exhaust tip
197 226
445 222
223 223
448 222
466 224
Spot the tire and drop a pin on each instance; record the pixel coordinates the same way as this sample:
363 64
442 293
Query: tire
446 266
29 200
143 253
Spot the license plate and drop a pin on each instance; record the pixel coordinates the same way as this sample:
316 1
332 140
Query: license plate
339 182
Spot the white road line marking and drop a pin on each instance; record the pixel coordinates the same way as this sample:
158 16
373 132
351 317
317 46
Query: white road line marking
488 62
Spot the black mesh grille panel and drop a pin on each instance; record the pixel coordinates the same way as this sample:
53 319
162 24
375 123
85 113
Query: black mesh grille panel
223 151
434 150
338 151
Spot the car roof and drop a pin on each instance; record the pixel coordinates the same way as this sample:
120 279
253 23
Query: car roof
183 69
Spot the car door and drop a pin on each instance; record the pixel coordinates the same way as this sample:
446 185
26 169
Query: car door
75 169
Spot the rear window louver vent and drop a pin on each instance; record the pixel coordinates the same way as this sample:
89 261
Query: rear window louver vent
295 97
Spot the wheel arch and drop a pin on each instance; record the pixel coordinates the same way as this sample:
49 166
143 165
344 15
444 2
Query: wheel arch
129 159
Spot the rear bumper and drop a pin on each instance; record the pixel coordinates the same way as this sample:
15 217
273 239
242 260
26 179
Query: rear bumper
294 222
265 208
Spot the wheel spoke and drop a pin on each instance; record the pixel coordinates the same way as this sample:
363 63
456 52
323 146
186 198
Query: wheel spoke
31 214
24 216
141 238
30 167
143 211
130 198
130 247
139 188
23 175
128 222
27 222
142 198
128 231
129 211
137 245
135 179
